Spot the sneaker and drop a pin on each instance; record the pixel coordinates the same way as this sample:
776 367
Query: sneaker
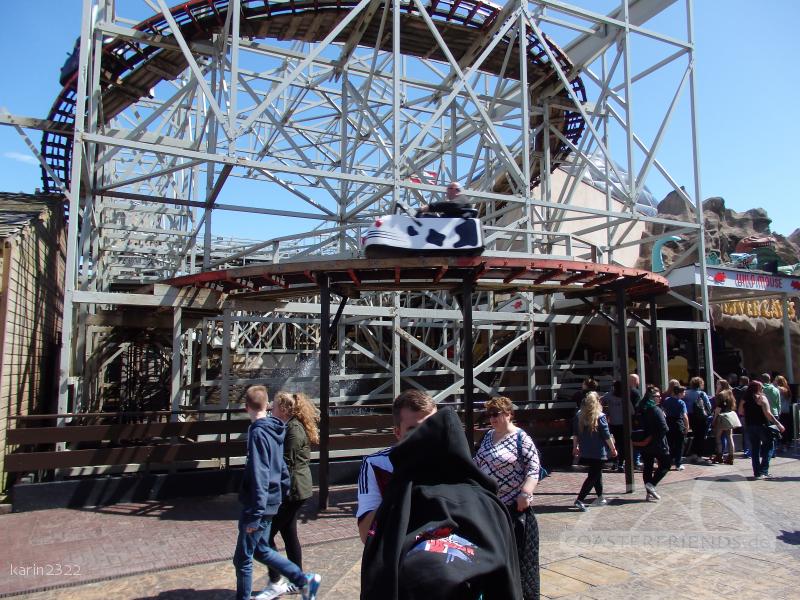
681 468
651 491
600 501
310 589
620 469
580 506
759 476
276 589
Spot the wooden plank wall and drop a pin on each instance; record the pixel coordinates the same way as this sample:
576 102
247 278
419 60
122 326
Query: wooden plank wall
153 441
31 305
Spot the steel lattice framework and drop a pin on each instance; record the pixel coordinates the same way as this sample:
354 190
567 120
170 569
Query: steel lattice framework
336 111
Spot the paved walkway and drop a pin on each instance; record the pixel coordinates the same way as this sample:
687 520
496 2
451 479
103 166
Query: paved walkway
713 533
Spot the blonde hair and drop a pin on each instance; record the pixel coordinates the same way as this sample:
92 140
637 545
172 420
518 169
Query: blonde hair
298 405
781 383
590 412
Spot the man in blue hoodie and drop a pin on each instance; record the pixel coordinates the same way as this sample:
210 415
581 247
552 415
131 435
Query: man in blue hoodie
264 484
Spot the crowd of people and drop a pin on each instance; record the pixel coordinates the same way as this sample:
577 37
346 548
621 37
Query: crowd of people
439 520
683 424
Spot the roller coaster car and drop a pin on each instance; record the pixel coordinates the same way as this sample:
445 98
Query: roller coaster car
445 229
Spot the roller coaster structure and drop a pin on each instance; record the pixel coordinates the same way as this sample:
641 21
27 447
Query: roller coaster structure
335 111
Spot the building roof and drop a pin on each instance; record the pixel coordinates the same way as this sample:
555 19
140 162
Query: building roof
18 209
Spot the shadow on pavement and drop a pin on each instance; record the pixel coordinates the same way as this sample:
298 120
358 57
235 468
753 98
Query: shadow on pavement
729 478
213 508
554 508
623 501
789 537
182 594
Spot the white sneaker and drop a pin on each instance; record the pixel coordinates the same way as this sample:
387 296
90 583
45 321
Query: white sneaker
600 501
276 589
681 468
309 590
651 491
580 506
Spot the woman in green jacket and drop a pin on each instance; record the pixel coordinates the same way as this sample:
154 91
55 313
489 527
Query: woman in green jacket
301 418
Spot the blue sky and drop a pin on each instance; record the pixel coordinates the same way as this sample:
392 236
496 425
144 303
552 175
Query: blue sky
745 57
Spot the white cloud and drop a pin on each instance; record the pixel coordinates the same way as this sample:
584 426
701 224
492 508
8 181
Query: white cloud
20 157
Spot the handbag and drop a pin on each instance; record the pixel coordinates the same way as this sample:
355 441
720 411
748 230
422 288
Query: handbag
728 420
774 432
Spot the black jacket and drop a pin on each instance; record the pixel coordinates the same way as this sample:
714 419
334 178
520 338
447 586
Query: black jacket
266 479
655 424
440 532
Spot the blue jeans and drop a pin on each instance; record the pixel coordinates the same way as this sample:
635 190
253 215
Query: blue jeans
256 545
760 448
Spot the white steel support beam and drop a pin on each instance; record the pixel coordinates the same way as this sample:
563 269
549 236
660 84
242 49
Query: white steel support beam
75 196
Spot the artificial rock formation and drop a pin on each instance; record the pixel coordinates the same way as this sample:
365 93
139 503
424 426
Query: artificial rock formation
724 229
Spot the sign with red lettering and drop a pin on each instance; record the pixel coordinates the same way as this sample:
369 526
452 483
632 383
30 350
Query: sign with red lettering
746 280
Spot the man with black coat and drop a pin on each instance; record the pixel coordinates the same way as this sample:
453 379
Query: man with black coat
441 531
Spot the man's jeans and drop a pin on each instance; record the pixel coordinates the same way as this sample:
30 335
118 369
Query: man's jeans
760 448
255 545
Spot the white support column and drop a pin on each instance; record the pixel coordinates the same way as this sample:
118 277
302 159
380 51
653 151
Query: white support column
698 198
177 337
396 346
787 341
531 356
663 355
225 383
640 370
396 109
554 378
74 198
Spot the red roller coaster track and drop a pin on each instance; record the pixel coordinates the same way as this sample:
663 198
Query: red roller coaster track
130 69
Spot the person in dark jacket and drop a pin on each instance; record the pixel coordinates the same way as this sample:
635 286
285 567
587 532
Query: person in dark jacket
301 418
655 426
440 531
264 484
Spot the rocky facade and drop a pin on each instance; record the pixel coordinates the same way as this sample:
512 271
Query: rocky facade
724 229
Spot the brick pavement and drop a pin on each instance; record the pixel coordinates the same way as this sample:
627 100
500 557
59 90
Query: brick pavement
630 548
68 547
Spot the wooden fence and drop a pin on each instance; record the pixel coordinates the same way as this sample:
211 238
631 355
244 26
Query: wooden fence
152 439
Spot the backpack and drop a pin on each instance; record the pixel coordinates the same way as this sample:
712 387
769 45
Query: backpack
700 404
640 437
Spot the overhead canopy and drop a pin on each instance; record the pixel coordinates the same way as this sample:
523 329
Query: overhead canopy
350 277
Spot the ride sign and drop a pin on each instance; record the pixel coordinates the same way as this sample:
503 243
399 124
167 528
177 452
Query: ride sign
748 280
